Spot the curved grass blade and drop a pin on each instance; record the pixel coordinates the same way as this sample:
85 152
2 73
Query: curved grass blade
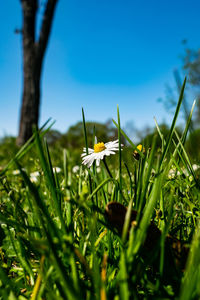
129 140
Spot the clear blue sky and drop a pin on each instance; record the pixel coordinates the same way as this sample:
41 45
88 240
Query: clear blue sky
101 53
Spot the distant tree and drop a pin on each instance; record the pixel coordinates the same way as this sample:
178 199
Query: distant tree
191 68
193 145
34 49
148 137
191 63
52 136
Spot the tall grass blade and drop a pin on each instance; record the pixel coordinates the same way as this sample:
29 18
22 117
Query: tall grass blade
173 124
120 153
129 140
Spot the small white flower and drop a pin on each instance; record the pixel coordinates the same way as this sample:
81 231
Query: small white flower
34 179
185 172
16 172
34 176
75 169
100 150
171 173
195 167
56 169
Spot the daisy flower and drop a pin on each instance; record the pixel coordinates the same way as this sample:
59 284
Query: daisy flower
100 150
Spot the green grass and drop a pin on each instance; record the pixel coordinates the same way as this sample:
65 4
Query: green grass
55 242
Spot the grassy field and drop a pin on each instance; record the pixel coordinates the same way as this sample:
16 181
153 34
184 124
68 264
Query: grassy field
121 230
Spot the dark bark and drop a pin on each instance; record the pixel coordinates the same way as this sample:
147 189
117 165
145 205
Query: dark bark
33 56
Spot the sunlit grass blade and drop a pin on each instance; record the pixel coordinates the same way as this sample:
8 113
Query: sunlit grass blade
165 229
130 179
148 172
178 151
50 179
127 221
145 220
38 281
86 146
160 134
123 277
185 132
188 124
20 253
119 153
186 157
94 264
190 284
40 208
106 181
85 132
169 139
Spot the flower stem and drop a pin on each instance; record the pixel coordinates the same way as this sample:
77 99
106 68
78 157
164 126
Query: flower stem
107 169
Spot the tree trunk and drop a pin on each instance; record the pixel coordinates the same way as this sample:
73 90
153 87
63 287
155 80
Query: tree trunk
33 55
30 108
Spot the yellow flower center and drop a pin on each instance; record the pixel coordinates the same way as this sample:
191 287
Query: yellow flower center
99 147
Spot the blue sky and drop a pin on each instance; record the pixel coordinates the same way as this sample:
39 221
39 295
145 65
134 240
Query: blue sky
100 54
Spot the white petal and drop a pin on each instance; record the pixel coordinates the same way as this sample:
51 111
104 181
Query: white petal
107 153
88 158
90 163
112 143
98 162
102 155
113 148
98 154
90 150
110 152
